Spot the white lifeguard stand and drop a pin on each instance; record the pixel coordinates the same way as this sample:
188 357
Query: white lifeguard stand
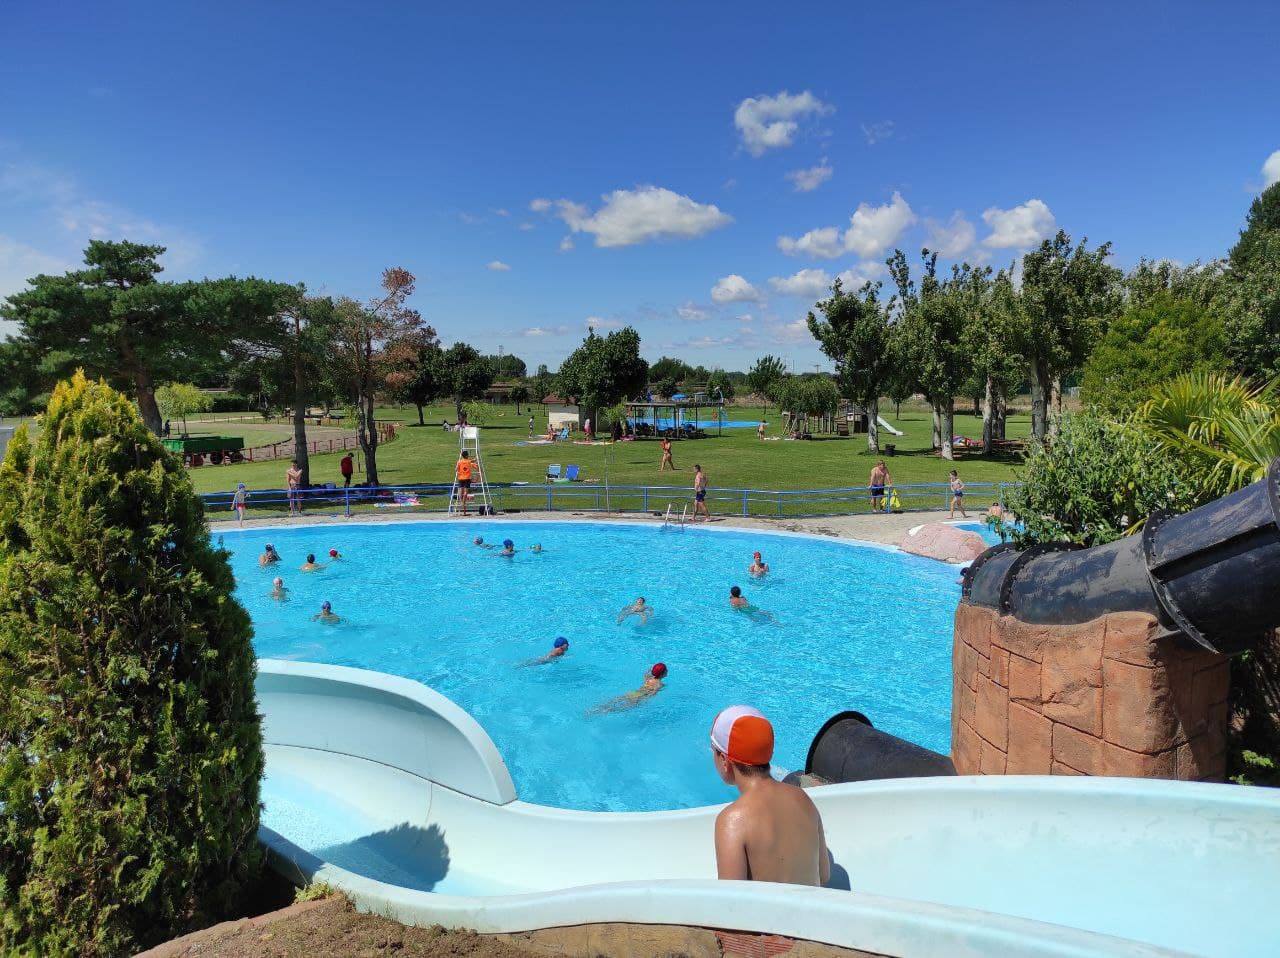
469 442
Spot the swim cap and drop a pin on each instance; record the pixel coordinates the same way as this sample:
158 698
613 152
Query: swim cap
560 643
333 553
742 734
756 555
479 540
270 547
507 544
326 606
239 485
658 670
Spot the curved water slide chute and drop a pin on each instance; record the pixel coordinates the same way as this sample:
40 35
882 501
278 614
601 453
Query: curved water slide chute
387 790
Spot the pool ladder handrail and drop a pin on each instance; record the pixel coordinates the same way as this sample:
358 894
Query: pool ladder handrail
679 520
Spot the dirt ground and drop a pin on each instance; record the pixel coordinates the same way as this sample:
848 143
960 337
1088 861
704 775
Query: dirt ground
332 927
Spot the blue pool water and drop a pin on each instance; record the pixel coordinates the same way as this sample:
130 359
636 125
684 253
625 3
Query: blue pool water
989 535
856 627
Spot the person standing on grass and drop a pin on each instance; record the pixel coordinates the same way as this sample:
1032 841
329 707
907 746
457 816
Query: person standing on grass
463 472
667 461
760 430
879 479
530 425
347 467
957 495
700 493
293 485
773 831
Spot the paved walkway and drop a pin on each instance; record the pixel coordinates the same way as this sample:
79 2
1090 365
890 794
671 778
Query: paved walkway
887 529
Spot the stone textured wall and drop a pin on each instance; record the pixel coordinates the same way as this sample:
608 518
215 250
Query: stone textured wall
1104 698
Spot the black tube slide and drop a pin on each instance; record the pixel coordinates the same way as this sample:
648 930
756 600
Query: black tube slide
1212 574
848 749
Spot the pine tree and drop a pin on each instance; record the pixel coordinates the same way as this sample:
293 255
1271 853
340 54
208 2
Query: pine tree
130 748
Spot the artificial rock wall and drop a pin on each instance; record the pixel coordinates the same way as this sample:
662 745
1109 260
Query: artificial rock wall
1107 697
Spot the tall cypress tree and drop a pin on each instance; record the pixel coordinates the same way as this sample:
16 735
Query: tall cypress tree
130 748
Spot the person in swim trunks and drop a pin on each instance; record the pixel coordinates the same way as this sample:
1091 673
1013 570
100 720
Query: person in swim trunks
311 565
737 600
667 461
326 614
269 555
772 831
650 687
758 566
879 479
957 495
637 608
700 493
463 472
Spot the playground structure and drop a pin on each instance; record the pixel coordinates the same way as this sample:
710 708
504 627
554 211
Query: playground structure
679 417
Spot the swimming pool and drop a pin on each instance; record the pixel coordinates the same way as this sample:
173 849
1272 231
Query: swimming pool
989 535
856 627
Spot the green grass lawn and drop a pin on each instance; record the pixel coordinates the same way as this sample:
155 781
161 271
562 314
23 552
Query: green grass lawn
735 460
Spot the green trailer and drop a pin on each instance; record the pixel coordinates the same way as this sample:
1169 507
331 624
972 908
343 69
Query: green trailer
216 449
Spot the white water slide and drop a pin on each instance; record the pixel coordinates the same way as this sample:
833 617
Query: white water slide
885 425
392 793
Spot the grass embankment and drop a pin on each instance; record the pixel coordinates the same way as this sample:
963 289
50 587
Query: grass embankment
735 460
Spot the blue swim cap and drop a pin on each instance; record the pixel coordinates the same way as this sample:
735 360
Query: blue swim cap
560 643
326 606
507 543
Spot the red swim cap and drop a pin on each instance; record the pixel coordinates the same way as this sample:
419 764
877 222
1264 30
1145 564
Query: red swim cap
757 555
334 553
658 670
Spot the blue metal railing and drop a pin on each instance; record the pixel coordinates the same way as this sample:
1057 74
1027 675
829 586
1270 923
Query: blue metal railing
596 497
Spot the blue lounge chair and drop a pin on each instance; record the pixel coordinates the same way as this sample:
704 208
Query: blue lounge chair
553 472
571 474
563 434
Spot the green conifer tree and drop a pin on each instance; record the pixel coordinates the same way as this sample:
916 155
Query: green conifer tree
130 747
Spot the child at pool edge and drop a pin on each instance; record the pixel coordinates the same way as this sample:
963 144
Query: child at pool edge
637 608
758 566
326 614
278 591
239 501
650 687
772 831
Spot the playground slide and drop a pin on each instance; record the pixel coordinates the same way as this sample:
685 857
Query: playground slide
885 425
383 788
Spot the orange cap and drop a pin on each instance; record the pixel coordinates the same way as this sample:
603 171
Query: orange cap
742 734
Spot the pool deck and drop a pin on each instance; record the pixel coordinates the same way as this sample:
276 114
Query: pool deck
885 529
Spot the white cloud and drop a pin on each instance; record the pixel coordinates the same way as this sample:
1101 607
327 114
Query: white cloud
502 212
1271 169
470 218
952 238
540 205
746 318
534 332
824 243
807 282
498 266
769 122
566 244
646 213
853 278
734 289
873 229
796 331
596 322
875 132
692 312
808 180
18 263
526 227
1020 227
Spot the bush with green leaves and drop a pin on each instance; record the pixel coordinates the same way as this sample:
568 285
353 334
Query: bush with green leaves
130 746
1097 481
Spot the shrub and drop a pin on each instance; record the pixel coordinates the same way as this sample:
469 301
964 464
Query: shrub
130 750
1096 482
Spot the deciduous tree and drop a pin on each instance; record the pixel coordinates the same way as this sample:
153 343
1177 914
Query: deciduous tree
763 375
604 371
181 400
854 334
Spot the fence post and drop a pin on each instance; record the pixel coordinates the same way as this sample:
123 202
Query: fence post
779 495
346 494
744 502
550 507
646 498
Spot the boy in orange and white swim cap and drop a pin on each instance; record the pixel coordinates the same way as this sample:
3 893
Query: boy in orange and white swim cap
773 831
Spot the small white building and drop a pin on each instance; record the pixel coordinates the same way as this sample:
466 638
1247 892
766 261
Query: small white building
562 412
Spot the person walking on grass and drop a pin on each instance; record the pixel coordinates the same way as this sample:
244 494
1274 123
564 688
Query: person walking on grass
463 472
700 493
879 479
293 484
530 425
957 495
347 467
667 461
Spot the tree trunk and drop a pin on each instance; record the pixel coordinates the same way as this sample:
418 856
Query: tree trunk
988 416
300 413
1039 398
1002 415
421 421
367 431
937 426
947 415
873 427
1055 405
977 406
457 408
144 387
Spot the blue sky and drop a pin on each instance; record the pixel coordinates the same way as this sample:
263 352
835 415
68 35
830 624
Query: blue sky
711 165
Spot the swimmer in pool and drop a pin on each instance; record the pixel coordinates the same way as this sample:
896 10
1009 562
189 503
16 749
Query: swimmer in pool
537 548
508 548
269 555
650 687
311 565
278 591
637 608
739 602
326 614
758 566
479 541
334 556
558 648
